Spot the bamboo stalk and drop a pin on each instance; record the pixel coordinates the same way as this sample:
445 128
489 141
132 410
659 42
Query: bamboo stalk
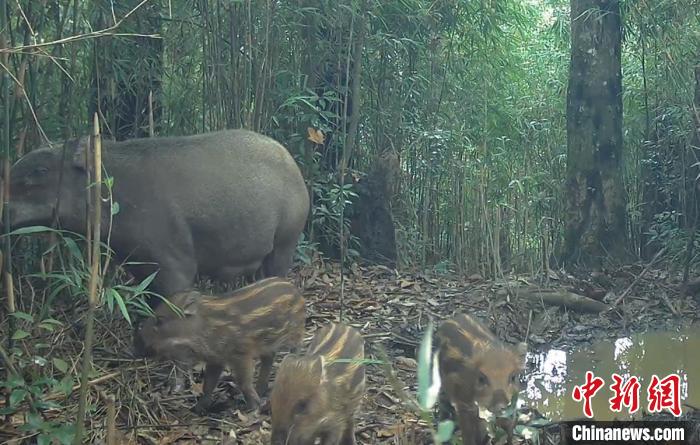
343 166
7 248
93 286
151 125
111 438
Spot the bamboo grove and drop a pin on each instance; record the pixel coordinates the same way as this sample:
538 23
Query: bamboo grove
461 105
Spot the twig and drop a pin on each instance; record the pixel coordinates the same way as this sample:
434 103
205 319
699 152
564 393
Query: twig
24 16
668 303
529 324
639 277
26 97
91 35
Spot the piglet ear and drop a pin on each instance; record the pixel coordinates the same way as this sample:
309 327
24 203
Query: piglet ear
80 149
318 368
184 304
191 303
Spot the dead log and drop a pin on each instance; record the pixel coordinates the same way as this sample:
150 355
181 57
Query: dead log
561 297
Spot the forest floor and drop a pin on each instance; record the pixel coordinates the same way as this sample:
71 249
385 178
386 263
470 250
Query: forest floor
392 310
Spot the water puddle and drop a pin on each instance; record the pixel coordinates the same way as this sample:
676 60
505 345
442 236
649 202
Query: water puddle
549 388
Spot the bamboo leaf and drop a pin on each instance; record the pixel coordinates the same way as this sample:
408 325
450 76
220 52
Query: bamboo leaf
424 365
20 334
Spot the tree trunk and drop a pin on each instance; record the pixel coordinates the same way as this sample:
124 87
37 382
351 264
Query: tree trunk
371 217
596 220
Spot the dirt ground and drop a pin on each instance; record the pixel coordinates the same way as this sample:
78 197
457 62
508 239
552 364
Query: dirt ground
392 310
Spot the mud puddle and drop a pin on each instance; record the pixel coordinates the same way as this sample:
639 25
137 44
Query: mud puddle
556 372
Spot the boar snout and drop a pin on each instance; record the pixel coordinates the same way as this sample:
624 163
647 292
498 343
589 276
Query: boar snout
279 437
499 401
140 348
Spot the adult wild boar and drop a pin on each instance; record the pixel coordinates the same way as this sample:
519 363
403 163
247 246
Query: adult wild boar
222 204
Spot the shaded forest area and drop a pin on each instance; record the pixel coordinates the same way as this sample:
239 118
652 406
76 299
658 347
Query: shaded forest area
531 161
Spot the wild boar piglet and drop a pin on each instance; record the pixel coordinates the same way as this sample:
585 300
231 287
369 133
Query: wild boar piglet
316 396
227 331
476 368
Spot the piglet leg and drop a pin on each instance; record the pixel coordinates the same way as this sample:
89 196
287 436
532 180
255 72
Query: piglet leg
244 369
472 433
266 362
348 437
212 372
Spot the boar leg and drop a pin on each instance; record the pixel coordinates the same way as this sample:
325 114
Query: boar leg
278 262
244 369
212 372
348 437
266 361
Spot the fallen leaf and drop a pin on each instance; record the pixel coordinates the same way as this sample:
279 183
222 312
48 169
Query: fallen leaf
316 136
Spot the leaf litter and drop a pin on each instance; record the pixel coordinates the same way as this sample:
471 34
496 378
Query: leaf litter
392 309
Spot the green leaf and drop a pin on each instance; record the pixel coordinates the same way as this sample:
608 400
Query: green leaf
23 316
74 250
65 434
111 292
542 421
530 434
65 386
120 302
61 365
115 208
122 308
42 405
43 439
424 362
7 411
17 396
47 327
144 284
32 230
444 431
20 334
35 421
15 381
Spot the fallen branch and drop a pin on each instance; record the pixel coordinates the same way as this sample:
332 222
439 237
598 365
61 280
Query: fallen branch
668 303
564 298
639 277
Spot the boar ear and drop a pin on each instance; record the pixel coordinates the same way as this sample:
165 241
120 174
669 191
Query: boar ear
521 349
80 150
